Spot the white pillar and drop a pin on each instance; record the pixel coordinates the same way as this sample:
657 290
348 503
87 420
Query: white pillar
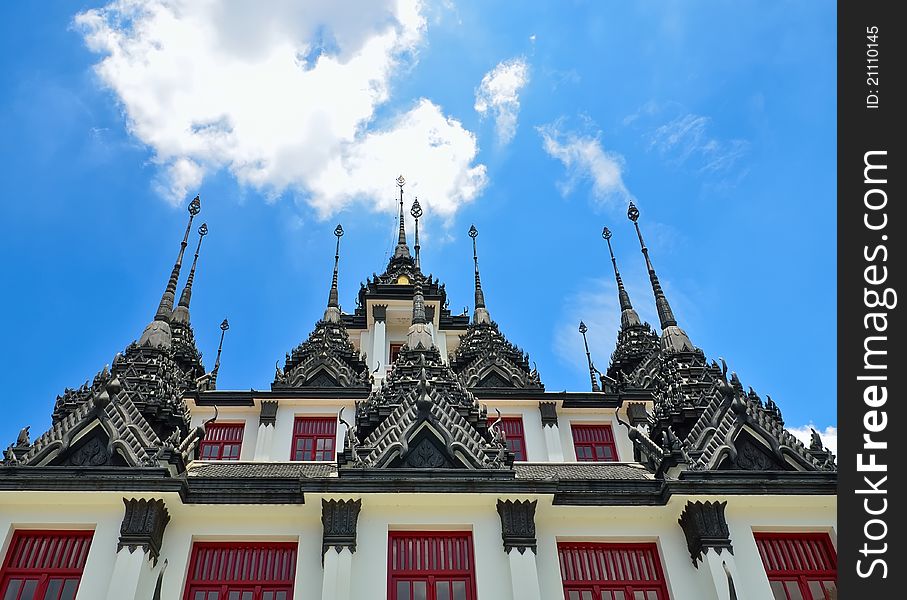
714 565
524 575
128 571
378 348
441 343
553 442
263 443
338 571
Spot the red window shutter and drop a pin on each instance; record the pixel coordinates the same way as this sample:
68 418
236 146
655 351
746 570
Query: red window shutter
314 438
611 571
223 441
594 443
241 571
44 564
516 439
799 565
435 565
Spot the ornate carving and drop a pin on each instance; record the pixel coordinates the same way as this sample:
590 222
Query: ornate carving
143 526
339 519
93 453
326 359
636 414
705 527
518 524
268 414
426 456
379 312
549 414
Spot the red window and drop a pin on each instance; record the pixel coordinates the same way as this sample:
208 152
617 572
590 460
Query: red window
313 438
241 571
516 440
44 565
611 572
799 565
223 441
395 352
594 443
434 565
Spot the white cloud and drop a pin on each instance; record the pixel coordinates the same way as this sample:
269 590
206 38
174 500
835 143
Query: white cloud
283 95
499 94
829 435
584 158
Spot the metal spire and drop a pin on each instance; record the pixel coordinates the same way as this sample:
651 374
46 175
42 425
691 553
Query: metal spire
402 249
673 337
583 329
157 333
332 313
420 333
181 314
481 313
416 212
223 329
628 316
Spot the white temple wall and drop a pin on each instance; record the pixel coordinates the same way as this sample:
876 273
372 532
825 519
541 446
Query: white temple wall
597 416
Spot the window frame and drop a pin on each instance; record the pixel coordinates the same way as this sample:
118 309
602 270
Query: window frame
521 436
627 586
821 542
315 437
220 444
391 359
75 541
591 445
429 576
224 587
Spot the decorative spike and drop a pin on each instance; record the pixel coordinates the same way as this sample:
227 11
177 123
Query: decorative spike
416 212
583 329
673 337
419 336
165 308
418 303
186 296
481 312
402 249
628 316
224 326
332 296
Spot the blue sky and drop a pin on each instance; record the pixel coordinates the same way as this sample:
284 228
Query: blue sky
538 125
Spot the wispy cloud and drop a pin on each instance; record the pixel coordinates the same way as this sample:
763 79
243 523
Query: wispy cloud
585 159
499 95
829 435
284 96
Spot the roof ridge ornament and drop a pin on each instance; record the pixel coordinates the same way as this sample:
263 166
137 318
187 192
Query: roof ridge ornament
673 337
416 212
628 316
402 249
157 333
481 312
332 313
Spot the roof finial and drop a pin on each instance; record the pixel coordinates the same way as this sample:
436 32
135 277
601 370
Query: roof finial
419 336
332 313
628 316
223 329
673 337
158 331
181 314
583 329
481 312
402 249
416 212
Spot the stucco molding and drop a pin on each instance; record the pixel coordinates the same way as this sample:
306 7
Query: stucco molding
548 411
339 519
143 526
518 524
705 527
268 414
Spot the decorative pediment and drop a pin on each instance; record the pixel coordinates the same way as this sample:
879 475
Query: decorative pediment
326 359
485 358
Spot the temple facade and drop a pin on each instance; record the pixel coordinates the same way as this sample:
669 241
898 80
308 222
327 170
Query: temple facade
408 453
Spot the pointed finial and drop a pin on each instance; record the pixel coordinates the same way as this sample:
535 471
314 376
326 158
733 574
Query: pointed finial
628 316
224 326
333 301
673 337
583 329
416 212
186 296
402 249
157 333
481 312
418 303
420 334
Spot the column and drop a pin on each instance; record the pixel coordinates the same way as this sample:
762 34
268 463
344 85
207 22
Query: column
266 420
339 519
548 411
379 341
708 537
518 535
142 529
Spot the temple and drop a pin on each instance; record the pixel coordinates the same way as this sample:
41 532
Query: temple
405 452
